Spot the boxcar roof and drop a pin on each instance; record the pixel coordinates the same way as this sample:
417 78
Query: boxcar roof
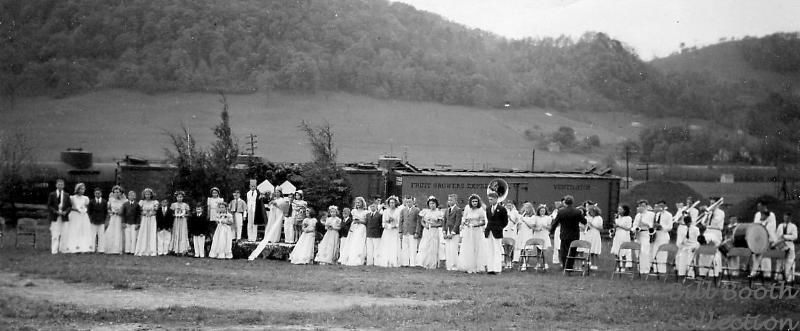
505 174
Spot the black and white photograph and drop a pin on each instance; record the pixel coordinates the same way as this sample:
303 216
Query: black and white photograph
399 164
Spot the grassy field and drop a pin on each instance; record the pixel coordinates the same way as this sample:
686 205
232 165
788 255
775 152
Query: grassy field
424 299
115 123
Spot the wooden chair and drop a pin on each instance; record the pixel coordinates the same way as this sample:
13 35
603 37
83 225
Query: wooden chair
742 255
575 255
704 251
532 250
672 251
620 265
508 253
26 227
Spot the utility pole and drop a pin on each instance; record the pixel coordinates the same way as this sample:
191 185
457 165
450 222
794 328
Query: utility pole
627 167
252 143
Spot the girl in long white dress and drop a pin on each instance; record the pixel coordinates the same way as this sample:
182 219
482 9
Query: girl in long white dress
303 252
356 249
114 236
594 223
556 233
432 219
524 229
389 254
622 234
213 203
180 229
510 231
78 229
541 228
473 221
146 241
326 251
221 244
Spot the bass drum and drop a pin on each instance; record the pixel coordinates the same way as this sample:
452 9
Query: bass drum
752 236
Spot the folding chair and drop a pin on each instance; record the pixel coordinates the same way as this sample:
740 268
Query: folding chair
778 257
672 251
532 249
26 227
508 253
704 251
575 255
742 256
619 266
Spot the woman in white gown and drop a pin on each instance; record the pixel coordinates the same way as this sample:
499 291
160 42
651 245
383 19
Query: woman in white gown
222 242
594 223
524 229
389 253
303 252
328 247
272 233
79 238
146 241
541 228
623 224
180 229
472 239
114 237
432 219
355 252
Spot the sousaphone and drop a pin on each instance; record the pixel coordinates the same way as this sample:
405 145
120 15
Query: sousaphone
498 186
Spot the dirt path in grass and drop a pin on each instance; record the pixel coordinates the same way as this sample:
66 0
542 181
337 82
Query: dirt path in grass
106 297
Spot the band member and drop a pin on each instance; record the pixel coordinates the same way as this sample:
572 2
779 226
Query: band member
473 220
357 237
594 223
58 204
452 232
496 221
329 246
766 218
786 233
114 236
252 201
641 225
686 240
623 227
164 220
146 241
374 233
131 216
180 231
222 242
693 212
556 232
303 252
525 226
237 207
389 255
78 229
410 232
663 225
568 219
431 219
198 227
98 213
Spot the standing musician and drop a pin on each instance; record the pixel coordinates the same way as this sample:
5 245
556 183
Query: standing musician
663 225
767 219
711 223
686 240
642 223
787 234
693 212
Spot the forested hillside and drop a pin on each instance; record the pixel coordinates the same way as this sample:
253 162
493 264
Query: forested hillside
375 48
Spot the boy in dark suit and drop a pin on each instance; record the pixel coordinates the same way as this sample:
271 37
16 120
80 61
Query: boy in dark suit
98 214
452 231
164 219
59 205
374 232
131 216
496 220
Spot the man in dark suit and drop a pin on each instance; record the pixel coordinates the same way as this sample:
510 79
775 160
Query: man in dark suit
374 232
496 220
452 231
59 205
569 219
98 213
131 214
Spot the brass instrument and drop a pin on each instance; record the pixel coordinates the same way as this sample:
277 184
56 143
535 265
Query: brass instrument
498 186
705 217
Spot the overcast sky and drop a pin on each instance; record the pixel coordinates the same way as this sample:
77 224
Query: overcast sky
651 27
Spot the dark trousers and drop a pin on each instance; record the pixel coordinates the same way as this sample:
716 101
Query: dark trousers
564 249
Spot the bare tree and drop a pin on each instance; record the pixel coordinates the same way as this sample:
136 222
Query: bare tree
16 158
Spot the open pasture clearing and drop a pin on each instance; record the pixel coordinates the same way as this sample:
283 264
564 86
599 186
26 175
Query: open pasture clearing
413 298
115 123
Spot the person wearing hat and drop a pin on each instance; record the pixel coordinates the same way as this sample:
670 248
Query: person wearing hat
431 219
